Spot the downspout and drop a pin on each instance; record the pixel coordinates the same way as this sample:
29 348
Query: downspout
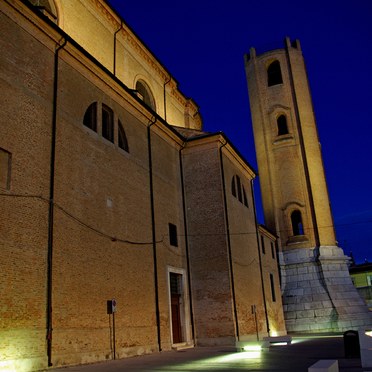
121 26
157 312
260 261
187 245
49 319
165 98
229 243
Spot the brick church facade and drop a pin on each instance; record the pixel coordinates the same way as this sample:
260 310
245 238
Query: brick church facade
111 190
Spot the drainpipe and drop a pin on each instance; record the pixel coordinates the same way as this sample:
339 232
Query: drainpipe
165 98
260 261
49 324
229 243
152 122
121 26
187 245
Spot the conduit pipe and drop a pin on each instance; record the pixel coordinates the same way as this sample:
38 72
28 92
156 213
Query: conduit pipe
49 319
120 28
165 97
153 225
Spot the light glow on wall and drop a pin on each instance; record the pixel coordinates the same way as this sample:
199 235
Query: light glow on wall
14 366
7 366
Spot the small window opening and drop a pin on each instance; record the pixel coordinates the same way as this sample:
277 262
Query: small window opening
245 200
5 166
238 191
173 235
90 117
274 74
263 245
272 250
233 187
239 187
297 226
122 138
272 284
282 125
107 123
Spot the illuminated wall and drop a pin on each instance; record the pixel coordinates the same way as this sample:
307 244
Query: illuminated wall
86 220
114 45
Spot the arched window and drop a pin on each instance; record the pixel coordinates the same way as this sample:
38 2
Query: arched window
145 94
282 125
47 7
297 226
122 138
274 74
107 123
90 117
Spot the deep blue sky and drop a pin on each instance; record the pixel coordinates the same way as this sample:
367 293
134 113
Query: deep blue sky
202 43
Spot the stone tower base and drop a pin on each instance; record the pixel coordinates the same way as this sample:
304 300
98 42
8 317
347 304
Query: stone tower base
318 294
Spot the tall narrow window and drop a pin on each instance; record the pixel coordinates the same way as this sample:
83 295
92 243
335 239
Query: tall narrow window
272 285
272 250
122 138
245 200
282 125
233 187
297 226
107 123
5 164
238 191
90 117
263 245
239 187
274 74
173 235
145 94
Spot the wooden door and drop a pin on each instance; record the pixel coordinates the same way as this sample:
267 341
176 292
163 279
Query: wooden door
175 289
176 318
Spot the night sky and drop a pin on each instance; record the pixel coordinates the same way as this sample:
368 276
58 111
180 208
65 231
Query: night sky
202 44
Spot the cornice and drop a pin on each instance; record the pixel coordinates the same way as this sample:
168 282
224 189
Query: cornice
106 10
144 53
141 49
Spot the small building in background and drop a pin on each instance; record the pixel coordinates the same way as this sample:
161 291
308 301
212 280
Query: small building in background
361 275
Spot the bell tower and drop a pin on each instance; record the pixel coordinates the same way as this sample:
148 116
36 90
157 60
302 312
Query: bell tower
315 277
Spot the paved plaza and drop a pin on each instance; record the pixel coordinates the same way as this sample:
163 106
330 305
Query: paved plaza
299 356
